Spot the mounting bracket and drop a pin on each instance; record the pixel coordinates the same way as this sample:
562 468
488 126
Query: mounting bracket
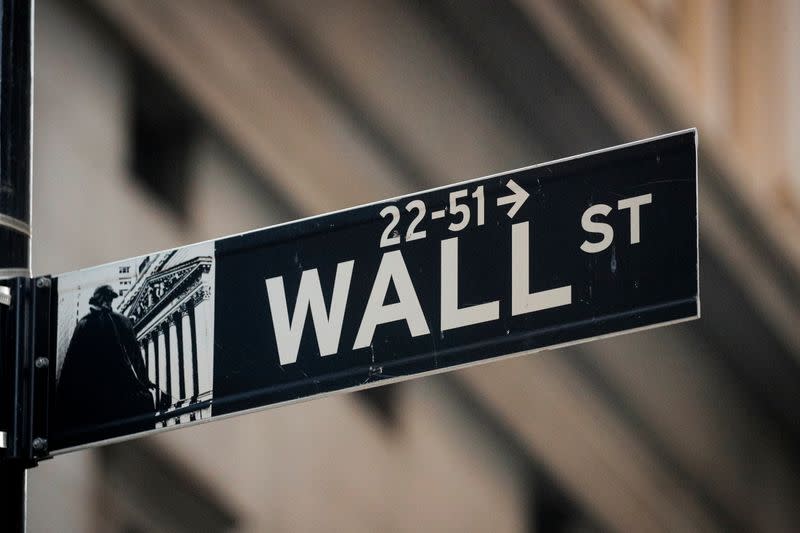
27 368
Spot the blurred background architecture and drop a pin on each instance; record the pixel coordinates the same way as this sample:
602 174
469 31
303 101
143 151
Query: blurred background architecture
161 123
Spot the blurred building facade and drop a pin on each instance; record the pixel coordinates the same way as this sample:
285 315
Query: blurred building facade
158 124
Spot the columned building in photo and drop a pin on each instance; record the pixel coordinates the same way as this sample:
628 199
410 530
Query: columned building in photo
170 305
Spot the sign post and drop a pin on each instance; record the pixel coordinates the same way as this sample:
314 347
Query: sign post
539 257
16 34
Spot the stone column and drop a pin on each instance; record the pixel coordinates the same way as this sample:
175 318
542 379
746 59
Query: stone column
162 365
166 377
152 360
177 320
193 340
143 346
170 353
204 328
188 356
174 353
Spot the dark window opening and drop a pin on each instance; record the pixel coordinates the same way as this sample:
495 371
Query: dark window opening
163 129
143 491
551 509
382 402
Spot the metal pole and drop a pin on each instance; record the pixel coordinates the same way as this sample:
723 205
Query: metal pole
16 85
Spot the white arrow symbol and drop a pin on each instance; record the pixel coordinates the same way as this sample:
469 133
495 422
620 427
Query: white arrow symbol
518 198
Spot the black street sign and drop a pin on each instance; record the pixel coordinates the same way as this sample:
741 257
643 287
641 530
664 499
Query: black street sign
543 256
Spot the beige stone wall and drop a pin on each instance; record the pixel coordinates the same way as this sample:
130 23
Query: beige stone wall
327 465
643 431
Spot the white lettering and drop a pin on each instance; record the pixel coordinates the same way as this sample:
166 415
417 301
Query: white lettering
633 204
327 326
452 316
392 269
521 300
597 227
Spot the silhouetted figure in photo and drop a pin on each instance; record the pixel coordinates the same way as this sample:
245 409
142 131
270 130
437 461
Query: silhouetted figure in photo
104 378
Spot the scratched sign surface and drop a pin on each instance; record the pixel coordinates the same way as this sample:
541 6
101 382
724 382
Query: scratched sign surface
547 255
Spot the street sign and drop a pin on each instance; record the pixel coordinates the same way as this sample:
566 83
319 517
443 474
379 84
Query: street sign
543 256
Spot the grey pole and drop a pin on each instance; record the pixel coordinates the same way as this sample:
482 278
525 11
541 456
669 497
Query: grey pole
16 85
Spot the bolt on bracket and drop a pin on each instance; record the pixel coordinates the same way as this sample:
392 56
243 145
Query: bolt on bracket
5 296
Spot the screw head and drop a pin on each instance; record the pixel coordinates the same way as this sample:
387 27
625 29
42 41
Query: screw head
41 283
39 444
41 362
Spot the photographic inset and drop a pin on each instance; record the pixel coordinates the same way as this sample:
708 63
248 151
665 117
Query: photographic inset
135 345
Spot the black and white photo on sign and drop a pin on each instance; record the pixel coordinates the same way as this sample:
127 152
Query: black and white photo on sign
135 343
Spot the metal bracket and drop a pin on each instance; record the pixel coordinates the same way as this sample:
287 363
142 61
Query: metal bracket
5 296
26 352
5 301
